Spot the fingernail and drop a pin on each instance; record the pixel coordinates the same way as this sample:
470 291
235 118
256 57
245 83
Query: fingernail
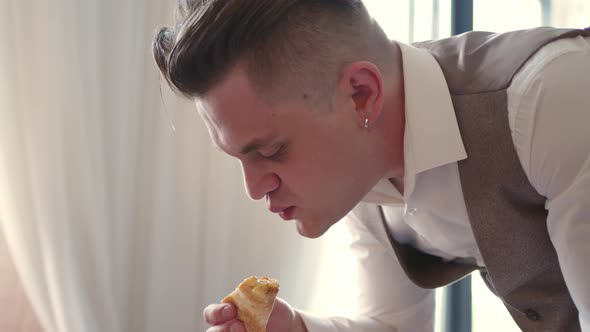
226 312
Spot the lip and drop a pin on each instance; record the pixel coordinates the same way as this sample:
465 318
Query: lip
287 214
277 209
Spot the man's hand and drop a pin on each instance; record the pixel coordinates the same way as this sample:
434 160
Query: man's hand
222 318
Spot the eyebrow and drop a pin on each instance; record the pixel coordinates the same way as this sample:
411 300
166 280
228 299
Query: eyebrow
256 143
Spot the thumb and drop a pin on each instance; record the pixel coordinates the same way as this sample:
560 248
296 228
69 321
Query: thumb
281 318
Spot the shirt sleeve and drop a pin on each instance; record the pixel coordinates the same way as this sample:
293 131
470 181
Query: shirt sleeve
553 122
388 300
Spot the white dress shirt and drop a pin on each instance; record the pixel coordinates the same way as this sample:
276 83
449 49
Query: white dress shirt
549 117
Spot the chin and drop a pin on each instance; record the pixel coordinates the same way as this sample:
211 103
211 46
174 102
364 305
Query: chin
311 230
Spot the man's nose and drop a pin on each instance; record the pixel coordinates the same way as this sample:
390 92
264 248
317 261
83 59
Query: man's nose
259 182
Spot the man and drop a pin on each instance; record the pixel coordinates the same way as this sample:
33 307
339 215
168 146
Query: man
448 156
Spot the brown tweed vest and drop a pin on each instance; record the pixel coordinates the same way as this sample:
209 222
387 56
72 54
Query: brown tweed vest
507 215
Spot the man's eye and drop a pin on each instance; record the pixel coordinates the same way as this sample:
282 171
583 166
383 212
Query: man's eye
276 155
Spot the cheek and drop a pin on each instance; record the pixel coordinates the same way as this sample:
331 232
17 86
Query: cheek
320 166
321 161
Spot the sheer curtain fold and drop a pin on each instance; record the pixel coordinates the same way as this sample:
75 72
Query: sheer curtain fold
118 213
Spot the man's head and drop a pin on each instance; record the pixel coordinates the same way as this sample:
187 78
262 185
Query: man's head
286 86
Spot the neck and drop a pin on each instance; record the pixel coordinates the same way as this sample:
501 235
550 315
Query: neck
392 133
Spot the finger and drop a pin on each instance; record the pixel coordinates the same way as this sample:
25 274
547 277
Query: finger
216 314
231 326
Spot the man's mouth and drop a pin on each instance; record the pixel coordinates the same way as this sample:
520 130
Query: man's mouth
288 213
285 212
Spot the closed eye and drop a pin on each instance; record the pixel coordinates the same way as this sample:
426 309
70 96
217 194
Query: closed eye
274 156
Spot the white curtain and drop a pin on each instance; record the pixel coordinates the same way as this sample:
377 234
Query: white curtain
117 211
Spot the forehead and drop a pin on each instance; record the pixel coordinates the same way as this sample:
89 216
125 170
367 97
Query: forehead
231 95
234 113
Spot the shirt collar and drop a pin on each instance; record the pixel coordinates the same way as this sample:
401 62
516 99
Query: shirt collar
432 136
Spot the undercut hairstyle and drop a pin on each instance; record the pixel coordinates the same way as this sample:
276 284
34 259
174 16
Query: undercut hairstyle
285 46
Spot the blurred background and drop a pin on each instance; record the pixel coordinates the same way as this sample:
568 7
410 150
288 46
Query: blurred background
118 214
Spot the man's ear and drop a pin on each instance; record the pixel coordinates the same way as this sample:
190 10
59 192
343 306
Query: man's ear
360 88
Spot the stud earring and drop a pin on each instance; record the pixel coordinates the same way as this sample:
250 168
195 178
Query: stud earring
367 123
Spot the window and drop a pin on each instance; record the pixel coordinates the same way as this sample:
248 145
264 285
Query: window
411 20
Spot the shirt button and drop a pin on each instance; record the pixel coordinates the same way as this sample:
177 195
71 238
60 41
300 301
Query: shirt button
412 212
532 315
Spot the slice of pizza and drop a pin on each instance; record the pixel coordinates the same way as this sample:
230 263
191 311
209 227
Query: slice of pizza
254 298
